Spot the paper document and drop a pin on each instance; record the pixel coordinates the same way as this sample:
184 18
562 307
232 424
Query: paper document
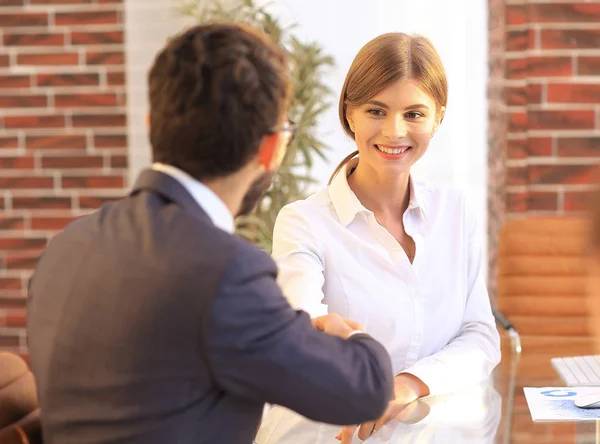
558 404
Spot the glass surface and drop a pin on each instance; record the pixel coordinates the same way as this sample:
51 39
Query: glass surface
481 414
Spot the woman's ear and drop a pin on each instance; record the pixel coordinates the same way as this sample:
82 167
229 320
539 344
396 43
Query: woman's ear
441 115
350 119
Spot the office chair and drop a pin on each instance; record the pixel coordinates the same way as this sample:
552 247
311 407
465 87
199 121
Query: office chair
19 409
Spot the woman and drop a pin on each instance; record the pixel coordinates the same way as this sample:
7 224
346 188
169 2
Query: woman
399 256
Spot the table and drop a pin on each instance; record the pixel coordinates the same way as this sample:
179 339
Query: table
479 414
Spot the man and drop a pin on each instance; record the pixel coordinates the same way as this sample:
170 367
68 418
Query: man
149 322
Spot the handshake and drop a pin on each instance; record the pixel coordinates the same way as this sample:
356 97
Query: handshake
335 325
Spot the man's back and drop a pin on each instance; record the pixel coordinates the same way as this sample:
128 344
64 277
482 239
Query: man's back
115 326
148 324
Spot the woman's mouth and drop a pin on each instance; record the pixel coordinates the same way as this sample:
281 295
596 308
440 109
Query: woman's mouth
393 151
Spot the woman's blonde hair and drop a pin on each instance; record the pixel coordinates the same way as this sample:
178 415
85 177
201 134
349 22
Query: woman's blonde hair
385 60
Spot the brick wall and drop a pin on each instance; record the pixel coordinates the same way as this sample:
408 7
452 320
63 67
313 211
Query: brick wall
63 138
553 98
496 135
544 108
544 141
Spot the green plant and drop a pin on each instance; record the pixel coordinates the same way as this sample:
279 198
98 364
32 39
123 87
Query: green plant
311 97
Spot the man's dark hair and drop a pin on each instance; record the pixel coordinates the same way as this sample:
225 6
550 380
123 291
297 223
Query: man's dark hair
215 91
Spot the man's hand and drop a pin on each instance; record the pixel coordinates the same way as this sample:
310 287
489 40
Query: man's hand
335 325
407 388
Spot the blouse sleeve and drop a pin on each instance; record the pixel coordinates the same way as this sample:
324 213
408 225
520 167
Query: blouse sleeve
297 252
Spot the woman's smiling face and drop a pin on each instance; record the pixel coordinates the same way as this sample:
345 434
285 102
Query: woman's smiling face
393 129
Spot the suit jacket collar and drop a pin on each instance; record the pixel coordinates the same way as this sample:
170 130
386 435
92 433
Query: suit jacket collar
169 188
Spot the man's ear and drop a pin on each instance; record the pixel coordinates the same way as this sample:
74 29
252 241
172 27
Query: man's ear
271 151
148 120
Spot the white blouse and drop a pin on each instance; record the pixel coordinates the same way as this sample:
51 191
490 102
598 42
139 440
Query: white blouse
433 316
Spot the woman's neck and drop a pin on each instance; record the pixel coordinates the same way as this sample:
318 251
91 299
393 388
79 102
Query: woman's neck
386 195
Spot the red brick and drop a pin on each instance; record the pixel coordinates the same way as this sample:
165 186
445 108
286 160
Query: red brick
93 182
562 174
12 3
26 182
41 203
577 201
550 66
14 122
94 202
516 149
23 19
14 318
97 38
116 78
12 299
579 146
73 162
515 95
2 203
24 101
588 66
10 283
21 162
21 243
58 142
51 223
61 2
119 162
34 39
539 146
573 93
110 141
570 38
534 93
105 58
85 100
4 60
9 142
12 340
520 40
63 58
532 201
516 176
516 68
68 79
561 120
565 13
515 15
12 222
14 81
86 18
530 147
517 122
99 120
538 67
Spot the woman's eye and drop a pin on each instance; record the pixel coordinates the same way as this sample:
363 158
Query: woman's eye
414 115
376 112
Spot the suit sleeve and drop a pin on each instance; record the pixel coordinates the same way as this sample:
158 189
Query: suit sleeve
261 349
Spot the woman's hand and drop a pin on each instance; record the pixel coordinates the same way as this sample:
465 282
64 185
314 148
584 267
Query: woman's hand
407 388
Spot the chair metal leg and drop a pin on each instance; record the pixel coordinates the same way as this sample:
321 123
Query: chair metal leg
515 340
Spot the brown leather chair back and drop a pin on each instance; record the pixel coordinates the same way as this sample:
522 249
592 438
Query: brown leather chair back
542 289
19 410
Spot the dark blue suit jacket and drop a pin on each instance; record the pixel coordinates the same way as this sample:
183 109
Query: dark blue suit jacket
149 325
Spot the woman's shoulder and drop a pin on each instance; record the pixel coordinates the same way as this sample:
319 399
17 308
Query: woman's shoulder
438 192
444 201
316 205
